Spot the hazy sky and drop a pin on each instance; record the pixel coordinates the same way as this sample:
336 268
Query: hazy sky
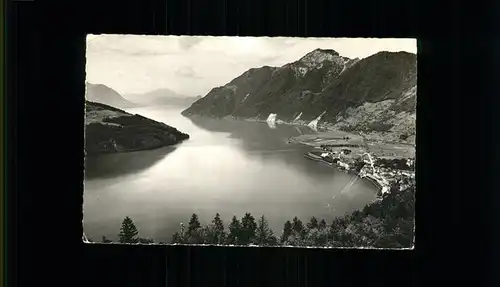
194 65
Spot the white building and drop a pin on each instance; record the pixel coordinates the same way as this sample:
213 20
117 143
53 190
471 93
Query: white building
344 165
409 162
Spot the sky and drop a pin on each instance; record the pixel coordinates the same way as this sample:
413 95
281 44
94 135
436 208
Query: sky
193 65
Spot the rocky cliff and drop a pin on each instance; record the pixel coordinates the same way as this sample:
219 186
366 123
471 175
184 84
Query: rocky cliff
109 130
376 94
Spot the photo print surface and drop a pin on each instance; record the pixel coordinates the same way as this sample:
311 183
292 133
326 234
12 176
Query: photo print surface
250 141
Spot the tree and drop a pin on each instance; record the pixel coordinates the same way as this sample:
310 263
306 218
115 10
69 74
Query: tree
316 237
358 164
219 229
234 231
181 236
287 231
214 233
194 223
298 235
248 228
264 235
337 228
313 223
298 227
296 240
128 231
322 224
194 231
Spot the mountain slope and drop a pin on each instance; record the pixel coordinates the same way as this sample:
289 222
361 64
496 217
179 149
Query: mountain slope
377 94
109 130
261 91
374 94
105 95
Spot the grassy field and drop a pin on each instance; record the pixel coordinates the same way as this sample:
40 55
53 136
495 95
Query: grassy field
329 138
377 148
390 150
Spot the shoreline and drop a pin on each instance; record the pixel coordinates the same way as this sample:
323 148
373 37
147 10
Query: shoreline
323 129
325 135
378 185
132 150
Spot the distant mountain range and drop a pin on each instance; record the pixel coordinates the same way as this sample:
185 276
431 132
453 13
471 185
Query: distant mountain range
374 94
162 97
110 130
105 95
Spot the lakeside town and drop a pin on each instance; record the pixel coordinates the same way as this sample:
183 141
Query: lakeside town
384 164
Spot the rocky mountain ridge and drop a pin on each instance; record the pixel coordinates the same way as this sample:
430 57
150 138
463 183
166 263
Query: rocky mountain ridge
376 94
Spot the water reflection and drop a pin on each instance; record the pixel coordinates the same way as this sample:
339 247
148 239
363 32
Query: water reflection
264 143
272 125
120 164
226 166
254 135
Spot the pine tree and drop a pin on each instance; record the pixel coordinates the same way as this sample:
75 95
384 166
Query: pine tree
194 223
316 233
313 223
287 231
194 231
219 235
338 224
234 232
264 235
317 237
298 227
248 228
322 225
128 231
298 236
212 235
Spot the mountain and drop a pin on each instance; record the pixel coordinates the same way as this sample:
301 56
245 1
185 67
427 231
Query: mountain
376 94
162 97
109 130
105 95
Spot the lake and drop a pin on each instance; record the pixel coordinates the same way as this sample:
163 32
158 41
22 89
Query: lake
226 166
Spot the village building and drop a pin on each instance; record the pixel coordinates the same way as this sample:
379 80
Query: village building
410 162
345 151
344 165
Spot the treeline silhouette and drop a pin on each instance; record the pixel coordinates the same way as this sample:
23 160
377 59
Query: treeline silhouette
387 223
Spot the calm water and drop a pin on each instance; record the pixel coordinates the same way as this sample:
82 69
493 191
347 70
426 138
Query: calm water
230 167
